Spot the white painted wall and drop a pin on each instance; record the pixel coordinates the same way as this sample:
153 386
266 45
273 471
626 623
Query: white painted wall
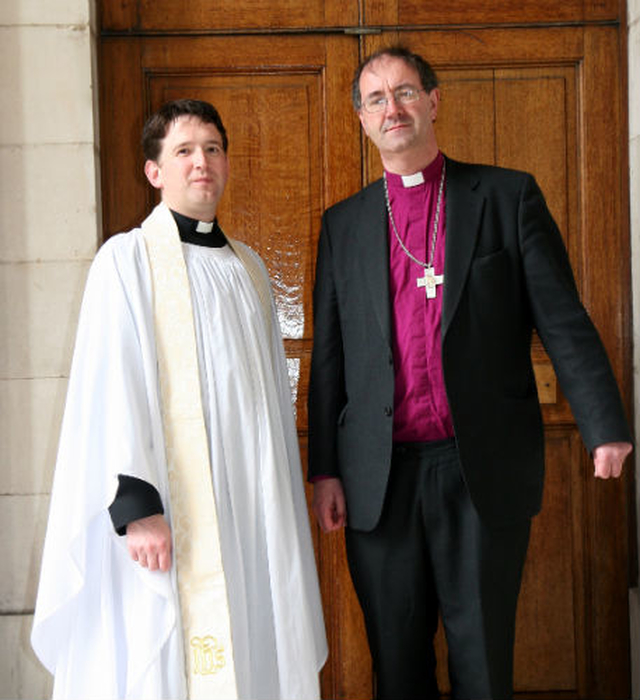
48 235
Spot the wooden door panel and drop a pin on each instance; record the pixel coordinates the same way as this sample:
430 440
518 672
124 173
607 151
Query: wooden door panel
467 94
487 12
348 673
536 131
273 204
550 612
523 119
200 16
204 16
277 110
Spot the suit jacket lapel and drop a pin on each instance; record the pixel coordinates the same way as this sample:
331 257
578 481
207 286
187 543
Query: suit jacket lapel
373 253
464 213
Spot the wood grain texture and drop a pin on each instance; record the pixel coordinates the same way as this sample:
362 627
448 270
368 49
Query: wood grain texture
224 15
227 15
488 12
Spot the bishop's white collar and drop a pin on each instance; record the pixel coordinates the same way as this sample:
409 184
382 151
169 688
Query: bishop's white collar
413 180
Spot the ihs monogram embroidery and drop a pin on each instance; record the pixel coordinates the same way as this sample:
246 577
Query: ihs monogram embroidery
208 655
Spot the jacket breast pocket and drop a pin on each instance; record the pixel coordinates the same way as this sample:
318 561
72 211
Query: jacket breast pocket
491 264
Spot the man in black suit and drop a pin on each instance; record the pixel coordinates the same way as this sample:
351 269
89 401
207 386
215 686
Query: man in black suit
425 431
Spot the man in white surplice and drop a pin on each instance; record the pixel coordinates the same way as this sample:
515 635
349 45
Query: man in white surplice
119 613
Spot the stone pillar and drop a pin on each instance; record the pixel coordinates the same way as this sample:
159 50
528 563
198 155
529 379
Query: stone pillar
49 229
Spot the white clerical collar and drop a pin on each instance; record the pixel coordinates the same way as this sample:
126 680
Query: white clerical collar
204 227
413 180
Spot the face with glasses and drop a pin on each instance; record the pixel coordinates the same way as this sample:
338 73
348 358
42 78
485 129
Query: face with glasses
378 102
397 114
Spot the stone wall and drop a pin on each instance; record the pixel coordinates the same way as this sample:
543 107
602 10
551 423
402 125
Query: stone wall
48 236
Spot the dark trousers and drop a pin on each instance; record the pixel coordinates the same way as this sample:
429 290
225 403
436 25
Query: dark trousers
430 553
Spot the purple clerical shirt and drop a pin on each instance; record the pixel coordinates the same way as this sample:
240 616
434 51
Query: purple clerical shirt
421 409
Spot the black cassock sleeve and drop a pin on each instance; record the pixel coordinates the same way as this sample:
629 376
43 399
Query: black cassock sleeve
134 499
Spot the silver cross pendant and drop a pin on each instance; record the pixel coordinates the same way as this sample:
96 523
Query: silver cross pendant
430 281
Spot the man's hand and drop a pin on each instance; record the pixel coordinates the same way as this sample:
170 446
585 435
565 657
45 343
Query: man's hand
608 458
329 504
149 542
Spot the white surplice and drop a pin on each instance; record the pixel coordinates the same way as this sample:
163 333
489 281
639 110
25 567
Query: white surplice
106 627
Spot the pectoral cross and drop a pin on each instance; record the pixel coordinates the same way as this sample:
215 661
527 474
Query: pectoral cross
430 281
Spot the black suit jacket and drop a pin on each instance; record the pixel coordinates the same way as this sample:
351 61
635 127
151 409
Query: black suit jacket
506 273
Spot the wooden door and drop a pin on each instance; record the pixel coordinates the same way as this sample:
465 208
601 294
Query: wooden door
546 100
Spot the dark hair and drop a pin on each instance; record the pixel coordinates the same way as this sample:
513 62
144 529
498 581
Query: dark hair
427 75
157 126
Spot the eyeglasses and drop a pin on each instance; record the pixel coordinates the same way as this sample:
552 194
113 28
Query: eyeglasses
403 95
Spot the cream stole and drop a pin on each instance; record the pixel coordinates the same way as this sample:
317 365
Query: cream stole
206 625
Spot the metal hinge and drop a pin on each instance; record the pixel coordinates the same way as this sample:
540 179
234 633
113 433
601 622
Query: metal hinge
361 31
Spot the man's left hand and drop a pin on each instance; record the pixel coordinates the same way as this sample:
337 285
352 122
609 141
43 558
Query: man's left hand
608 459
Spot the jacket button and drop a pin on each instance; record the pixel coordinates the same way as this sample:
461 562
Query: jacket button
388 411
